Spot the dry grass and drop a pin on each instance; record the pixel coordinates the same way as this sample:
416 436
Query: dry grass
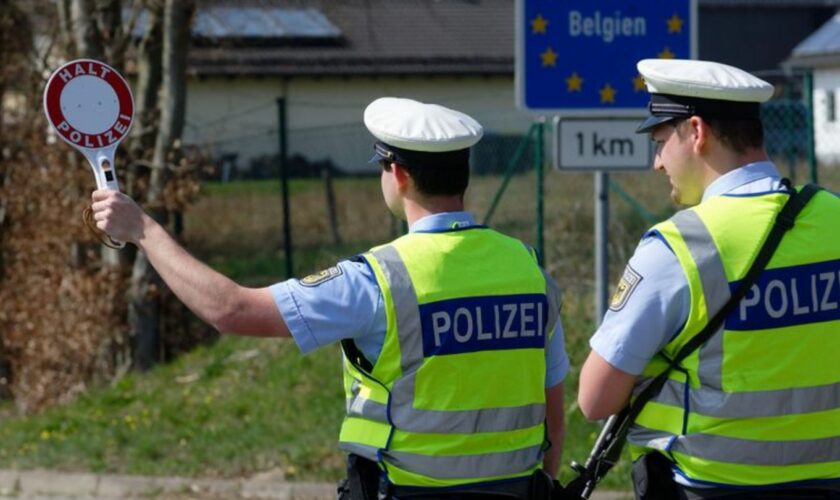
248 221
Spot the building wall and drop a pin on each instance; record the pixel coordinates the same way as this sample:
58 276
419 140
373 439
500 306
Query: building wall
827 131
239 115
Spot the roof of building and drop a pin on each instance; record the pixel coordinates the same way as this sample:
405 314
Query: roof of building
372 37
770 3
821 48
375 37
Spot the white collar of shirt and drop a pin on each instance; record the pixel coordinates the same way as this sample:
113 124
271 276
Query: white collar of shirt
730 182
443 221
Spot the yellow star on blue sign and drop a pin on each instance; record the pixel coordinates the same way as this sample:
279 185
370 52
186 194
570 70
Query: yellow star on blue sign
675 24
608 94
549 57
666 54
639 84
574 83
539 24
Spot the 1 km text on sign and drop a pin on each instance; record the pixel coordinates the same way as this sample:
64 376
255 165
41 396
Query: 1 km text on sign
601 144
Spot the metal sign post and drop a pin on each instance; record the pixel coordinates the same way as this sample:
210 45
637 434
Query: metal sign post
576 59
602 222
600 145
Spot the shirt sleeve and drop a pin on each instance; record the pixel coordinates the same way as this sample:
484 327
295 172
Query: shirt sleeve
556 359
650 306
341 302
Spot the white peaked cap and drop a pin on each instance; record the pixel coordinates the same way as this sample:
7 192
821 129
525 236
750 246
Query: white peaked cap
702 79
416 126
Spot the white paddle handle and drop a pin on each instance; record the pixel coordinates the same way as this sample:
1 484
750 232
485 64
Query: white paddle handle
106 178
106 174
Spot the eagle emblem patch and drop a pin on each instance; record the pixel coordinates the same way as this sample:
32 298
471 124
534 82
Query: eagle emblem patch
322 276
626 285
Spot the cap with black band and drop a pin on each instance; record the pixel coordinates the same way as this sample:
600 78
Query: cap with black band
409 132
443 159
681 88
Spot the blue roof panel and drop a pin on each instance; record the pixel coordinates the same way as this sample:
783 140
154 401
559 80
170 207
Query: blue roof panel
221 22
263 22
824 41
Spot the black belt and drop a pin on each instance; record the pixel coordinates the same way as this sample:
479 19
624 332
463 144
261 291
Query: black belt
364 476
827 492
519 489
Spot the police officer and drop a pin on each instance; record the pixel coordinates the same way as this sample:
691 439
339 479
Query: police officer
453 348
753 413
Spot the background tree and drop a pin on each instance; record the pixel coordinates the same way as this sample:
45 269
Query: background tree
144 307
65 320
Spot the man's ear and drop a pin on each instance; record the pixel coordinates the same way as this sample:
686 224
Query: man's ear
700 131
402 176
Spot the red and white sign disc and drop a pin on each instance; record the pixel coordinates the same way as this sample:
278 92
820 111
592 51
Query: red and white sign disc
89 104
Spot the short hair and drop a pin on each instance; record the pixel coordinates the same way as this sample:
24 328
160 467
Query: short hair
445 173
431 180
738 135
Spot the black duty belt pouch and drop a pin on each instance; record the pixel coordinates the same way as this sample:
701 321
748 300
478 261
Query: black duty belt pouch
540 486
653 479
362 481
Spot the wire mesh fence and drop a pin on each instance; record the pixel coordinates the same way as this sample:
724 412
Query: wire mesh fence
639 198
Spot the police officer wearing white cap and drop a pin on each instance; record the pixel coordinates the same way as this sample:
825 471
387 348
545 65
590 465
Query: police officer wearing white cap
753 412
452 342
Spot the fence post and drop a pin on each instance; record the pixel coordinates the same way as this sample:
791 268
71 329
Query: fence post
538 167
809 106
284 183
329 194
790 129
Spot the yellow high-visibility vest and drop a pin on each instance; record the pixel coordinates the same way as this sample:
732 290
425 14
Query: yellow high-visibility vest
457 394
759 403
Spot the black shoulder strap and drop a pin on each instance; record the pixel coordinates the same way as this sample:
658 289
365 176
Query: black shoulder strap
351 350
784 221
355 355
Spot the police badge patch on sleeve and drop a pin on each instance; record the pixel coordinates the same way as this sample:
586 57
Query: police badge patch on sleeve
628 283
322 276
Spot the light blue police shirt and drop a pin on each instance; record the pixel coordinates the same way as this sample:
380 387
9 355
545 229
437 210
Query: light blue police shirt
347 303
657 307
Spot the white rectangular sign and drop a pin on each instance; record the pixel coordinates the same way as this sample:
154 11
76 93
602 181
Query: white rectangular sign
601 144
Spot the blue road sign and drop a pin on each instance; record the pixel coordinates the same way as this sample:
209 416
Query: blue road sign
578 57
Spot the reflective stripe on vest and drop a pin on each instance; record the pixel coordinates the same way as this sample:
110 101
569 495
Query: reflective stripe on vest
413 423
745 451
461 466
403 414
715 289
721 417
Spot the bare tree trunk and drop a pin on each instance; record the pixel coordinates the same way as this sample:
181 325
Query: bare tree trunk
66 23
114 39
86 34
144 308
148 86
177 16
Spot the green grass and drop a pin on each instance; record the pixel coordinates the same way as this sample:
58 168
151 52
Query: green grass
231 409
235 408
256 187
228 410
273 186
263 269
207 414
